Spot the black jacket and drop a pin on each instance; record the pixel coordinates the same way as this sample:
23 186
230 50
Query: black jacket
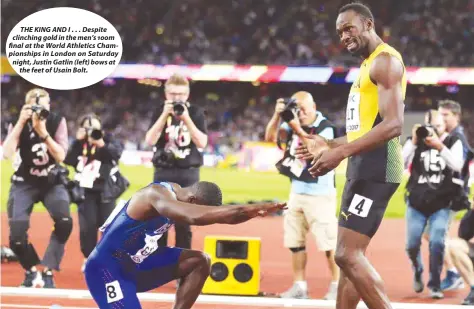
93 165
187 154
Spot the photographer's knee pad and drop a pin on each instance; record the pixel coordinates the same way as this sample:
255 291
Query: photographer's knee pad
62 228
295 250
19 244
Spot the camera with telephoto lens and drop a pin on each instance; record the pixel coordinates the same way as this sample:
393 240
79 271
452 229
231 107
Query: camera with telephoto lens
95 134
178 108
291 109
59 175
423 132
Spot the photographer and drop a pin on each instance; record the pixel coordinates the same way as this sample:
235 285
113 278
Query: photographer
451 113
95 158
42 140
461 250
312 201
436 157
178 134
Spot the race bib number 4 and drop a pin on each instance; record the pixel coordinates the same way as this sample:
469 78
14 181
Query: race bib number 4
360 205
352 112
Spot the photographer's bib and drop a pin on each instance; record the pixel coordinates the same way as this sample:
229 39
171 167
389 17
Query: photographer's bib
176 139
88 172
296 168
35 161
432 185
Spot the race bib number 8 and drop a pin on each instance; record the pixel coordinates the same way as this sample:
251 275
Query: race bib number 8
352 112
114 292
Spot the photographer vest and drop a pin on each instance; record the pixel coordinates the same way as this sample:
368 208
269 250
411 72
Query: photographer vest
36 160
295 168
93 165
430 186
183 153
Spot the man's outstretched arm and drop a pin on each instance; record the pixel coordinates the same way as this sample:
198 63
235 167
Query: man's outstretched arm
193 214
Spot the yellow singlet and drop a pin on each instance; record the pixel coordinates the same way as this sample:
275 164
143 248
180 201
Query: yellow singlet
385 163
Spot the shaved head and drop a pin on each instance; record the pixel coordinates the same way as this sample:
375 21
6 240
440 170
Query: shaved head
307 107
303 96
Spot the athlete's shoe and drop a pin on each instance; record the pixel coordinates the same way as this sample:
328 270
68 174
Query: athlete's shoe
332 292
453 281
48 279
436 293
295 292
418 284
469 301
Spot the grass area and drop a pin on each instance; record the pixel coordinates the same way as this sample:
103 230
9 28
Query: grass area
237 186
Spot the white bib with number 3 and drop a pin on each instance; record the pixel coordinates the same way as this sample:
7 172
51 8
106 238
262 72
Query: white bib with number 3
352 112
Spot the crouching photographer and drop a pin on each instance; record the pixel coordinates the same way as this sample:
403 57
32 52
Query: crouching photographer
178 133
41 138
437 160
97 182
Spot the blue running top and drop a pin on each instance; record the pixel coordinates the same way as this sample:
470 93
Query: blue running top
137 239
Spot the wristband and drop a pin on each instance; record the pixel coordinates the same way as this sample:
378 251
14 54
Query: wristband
43 139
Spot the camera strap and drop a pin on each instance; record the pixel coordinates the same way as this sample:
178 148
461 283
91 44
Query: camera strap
85 150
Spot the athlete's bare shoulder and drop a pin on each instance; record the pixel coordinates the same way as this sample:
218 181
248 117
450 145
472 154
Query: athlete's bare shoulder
386 69
140 206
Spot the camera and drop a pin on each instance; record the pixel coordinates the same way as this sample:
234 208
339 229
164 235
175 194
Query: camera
423 132
42 112
59 175
163 158
178 108
37 108
95 134
291 108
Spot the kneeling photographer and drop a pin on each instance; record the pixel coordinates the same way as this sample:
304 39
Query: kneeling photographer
40 136
312 201
178 133
98 182
437 160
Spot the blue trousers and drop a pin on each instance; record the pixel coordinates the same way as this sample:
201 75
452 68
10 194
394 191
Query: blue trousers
437 231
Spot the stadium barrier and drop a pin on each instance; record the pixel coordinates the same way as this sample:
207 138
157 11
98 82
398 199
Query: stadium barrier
275 73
